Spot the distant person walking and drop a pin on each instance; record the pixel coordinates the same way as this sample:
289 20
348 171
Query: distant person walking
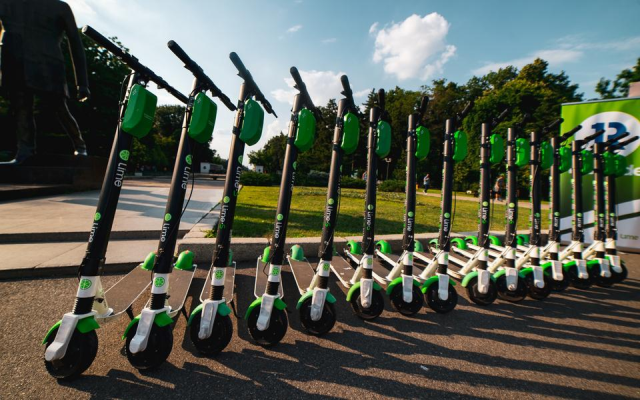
498 188
426 182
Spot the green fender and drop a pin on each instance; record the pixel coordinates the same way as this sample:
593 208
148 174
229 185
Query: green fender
330 298
460 243
591 263
265 254
417 246
434 243
472 239
528 270
354 247
148 262
384 246
223 310
357 286
297 253
521 240
568 265
471 275
279 304
502 272
431 280
161 319
397 281
85 325
546 266
494 240
185 261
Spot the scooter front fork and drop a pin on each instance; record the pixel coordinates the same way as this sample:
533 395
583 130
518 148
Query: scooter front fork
366 281
538 273
614 260
605 272
556 265
210 307
407 280
511 272
160 286
319 294
268 300
443 279
483 274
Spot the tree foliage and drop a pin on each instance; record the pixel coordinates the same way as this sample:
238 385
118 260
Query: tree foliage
620 86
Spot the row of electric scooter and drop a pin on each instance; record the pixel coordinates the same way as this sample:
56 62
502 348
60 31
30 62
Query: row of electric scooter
486 267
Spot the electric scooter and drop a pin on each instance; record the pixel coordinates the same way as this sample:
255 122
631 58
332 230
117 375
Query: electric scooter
316 304
364 293
149 336
436 285
72 343
267 316
210 327
403 290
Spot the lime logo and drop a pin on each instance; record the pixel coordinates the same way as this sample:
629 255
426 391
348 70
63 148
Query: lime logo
447 215
295 165
537 215
325 267
167 217
219 274
97 216
369 261
124 154
85 284
411 214
512 205
331 201
557 214
612 215
226 199
370 207
188 158
579 214
601 215
280 217
485 203
240 159
158 282
275 271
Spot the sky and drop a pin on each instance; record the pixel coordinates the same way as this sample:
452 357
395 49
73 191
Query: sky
377 44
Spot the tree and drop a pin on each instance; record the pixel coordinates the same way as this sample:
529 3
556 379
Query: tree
620 86
271 156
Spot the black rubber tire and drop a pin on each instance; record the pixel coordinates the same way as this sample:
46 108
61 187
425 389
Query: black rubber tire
600 280
620 276
437 305
577 282
220 335
374 311
278 325
404 308
560 286
81 352
479 298
537 293
324 324
511 296
158 348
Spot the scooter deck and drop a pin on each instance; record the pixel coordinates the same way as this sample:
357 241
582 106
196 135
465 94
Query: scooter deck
127 290
379 271
229 285
343 270
179 284
262 275
302 272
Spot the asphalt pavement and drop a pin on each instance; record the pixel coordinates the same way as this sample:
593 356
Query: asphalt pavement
575 344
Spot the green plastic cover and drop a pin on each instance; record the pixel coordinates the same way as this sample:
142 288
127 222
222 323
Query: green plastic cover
252 123
306 133
423 142
587 162
350 133
459 146
546 155
203 118
564 153
621 165
609 161
141 108
383 146
497 148
522 152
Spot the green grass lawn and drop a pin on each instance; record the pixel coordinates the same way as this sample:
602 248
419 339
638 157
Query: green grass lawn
256 210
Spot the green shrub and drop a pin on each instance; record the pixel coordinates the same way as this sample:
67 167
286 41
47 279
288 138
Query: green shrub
250 178
392 185
352 183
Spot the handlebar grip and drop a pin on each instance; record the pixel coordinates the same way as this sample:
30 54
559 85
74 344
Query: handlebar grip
297 78
242 70
591 137
618 138
467 109
381 99
102 41
345 86
620 146
571 132
177 50
424 103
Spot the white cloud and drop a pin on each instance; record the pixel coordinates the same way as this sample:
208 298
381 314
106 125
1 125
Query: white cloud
322 86
361 93
329 40
373 28
294 29
415 47
555 57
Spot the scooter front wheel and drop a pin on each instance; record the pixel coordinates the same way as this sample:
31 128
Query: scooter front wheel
220 335
278 325
513 296
324 324
559 286
158 347
373 311
601 280
482 299
620 276
580 283
438 305
81 352
401 306
536 292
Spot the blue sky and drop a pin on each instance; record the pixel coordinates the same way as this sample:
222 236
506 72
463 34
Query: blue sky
376 43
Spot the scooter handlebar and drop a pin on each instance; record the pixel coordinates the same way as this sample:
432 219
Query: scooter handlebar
500 117
302 88
591 137
622 144
466 110
381 99
571 133
613 140
552 126
244 73
424 103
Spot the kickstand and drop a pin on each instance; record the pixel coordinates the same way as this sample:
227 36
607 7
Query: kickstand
130 313
233 308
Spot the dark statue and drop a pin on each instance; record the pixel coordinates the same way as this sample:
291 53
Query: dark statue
32 64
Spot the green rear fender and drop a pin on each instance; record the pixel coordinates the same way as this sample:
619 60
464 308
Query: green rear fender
398 281
384 247
148 262
417 246
330 298
433 243
354 247
279 304
85 325
185 261
425 285
161 319
350 133
495 241
472 239
473 274
223 310
297 253
356 287
459 243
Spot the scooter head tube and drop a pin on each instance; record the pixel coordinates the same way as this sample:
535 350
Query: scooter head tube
546 155
460 146
252 123
350 133
306 133
423 141
141 108
203 118
497 149
383 145
564 153
522 152
587 162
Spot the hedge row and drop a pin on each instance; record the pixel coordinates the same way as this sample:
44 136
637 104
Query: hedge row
313 179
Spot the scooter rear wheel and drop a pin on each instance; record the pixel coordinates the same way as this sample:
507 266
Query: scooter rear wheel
220 335
482 299
324 324
512 296
81 352
536 292
374 310
440 306
404 308
158 348
271 336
